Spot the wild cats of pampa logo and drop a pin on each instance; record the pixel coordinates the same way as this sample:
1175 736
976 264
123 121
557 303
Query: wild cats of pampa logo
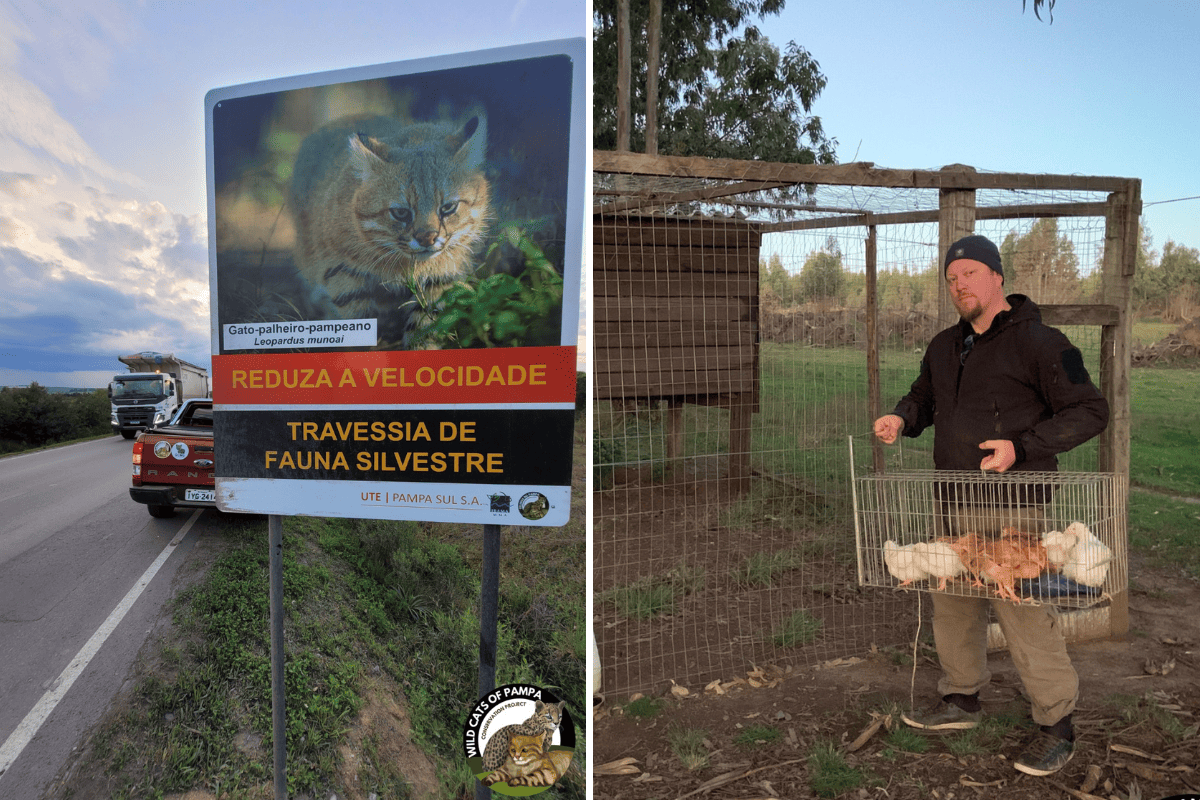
519 740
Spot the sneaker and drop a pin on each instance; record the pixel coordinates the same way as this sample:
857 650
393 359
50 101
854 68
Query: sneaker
943 716
1045 754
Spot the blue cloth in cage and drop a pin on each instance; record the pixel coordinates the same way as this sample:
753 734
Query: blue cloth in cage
1052 584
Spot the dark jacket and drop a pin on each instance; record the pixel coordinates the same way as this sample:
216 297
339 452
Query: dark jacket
1022 381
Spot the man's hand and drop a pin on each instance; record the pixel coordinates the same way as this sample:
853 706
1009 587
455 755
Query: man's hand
888 427
1003 456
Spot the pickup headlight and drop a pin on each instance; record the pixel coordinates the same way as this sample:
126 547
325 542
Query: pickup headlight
160 417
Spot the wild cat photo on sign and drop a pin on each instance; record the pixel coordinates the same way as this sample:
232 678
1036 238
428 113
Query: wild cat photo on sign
396 260
424 210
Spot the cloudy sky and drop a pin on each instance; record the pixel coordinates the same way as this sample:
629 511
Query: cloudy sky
103 229
103 222
1105 88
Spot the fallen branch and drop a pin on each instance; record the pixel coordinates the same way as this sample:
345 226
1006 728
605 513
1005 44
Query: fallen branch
730 777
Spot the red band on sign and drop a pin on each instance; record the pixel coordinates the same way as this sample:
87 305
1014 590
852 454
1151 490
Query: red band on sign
499 376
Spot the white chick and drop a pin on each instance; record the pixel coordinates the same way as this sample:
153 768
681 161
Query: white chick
939 560
1058 546
902 562
1087 563
922 560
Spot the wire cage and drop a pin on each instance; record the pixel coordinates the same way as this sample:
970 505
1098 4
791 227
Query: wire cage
1030 537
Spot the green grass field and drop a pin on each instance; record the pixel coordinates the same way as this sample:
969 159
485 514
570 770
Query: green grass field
814 399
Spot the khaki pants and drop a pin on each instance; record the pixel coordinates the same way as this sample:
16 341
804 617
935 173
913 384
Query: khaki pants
1033 632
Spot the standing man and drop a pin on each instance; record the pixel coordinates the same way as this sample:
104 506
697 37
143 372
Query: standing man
1003 391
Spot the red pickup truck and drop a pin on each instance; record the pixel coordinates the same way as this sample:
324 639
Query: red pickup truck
173 464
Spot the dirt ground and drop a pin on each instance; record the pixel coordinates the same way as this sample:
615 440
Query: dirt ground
1136 721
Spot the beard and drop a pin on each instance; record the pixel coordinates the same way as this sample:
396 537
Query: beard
969 313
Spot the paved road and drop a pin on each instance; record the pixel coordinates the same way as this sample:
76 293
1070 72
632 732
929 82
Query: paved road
72 546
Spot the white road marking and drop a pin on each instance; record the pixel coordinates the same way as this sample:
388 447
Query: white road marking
29 726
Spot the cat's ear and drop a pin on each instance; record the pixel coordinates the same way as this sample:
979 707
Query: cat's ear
366 154
470 141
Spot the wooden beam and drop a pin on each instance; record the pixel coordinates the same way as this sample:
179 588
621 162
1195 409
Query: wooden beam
1022 211
1060 315
853 174
650 199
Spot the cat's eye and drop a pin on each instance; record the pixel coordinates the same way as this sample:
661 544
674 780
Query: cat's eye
448 208
402 215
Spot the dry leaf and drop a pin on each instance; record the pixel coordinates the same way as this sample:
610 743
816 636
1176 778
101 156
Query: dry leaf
755 684
713 686
1133 751
1147 773
679 691
866 735
622 766
1075 794
966 780
646 777
1092 779
1163 668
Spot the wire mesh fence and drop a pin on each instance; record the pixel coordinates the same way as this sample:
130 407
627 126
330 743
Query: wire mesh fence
732 337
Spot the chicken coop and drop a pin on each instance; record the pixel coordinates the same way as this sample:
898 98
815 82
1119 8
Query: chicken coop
754 317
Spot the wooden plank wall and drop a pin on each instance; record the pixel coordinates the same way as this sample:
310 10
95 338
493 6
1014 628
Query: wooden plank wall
676 308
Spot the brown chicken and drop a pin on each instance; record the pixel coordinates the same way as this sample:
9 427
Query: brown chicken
1015 556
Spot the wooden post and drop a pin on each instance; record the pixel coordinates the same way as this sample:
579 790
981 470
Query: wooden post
674 412
653 35
1121 242
624 60
741 423
874 402
956 219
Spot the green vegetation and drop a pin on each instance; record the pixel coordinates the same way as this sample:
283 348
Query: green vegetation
496 309
905 740
1147 710
32 417
1165 445
799 628
987 737
644 708
757 736
378 614
829 774
653 595
688 746
761 569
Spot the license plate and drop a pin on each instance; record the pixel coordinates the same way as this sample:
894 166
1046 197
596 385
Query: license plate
200 495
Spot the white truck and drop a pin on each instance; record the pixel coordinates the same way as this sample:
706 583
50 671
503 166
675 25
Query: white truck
153 390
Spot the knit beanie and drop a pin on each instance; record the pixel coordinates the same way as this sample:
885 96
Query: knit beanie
976 248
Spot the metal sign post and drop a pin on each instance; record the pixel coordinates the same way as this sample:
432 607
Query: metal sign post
278 713
489 601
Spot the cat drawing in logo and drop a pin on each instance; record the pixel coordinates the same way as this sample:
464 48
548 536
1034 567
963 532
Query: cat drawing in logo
543 722
528 763
388 214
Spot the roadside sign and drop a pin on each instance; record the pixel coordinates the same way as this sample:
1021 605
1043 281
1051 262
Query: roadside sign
395 269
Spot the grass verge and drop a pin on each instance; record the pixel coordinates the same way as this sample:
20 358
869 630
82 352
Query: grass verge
382 646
